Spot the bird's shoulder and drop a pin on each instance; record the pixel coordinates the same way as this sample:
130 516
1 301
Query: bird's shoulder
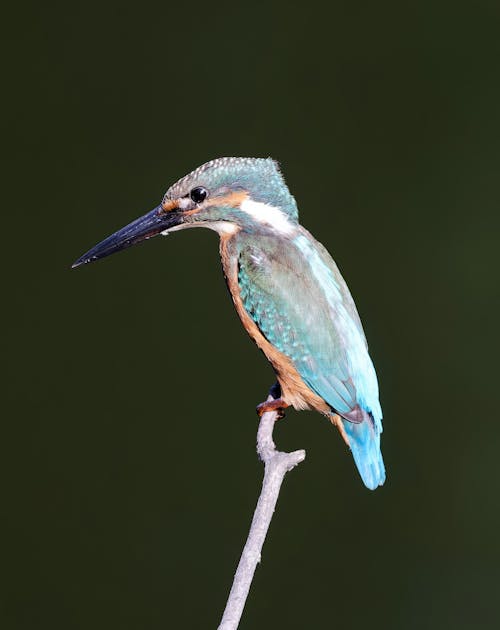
294 268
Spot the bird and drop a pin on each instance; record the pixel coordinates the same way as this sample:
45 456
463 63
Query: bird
287 290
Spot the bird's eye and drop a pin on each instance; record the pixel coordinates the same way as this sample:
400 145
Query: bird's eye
198 194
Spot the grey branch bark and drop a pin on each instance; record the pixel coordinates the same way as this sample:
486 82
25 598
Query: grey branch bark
277 464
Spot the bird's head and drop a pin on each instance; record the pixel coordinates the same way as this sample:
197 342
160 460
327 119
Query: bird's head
226 195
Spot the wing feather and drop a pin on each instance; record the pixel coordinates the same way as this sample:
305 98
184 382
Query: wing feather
298 299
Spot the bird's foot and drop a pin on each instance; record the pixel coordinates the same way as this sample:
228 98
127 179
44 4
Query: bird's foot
278 405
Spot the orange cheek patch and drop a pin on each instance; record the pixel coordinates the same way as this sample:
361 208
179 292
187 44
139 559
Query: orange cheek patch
168 206
232 200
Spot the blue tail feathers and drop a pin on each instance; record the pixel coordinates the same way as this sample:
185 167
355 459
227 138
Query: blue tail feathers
364 441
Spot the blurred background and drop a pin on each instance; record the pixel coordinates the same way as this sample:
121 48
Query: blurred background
128 466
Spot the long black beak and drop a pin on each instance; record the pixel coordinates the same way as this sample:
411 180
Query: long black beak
139 230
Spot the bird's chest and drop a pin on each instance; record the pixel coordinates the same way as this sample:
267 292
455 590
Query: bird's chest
247 273
263 313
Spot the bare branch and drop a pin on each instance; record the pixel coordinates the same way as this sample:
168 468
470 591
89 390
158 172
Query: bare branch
277 464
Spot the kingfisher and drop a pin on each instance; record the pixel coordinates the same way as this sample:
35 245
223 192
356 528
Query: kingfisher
287 291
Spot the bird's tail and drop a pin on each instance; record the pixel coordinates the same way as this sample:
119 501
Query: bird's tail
364 441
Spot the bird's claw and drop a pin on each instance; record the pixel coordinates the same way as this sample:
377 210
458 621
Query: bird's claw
278 405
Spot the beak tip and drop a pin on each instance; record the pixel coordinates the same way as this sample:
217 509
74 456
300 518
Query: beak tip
83 260
141 229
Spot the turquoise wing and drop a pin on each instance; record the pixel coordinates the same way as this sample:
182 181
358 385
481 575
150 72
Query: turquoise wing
296 295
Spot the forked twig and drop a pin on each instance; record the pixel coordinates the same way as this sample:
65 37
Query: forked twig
277 464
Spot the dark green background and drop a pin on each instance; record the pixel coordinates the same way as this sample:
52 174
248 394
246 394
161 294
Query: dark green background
129 474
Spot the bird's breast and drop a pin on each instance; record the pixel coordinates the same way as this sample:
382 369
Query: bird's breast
293 388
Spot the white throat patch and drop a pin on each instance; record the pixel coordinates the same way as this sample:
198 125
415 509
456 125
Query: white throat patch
268 215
